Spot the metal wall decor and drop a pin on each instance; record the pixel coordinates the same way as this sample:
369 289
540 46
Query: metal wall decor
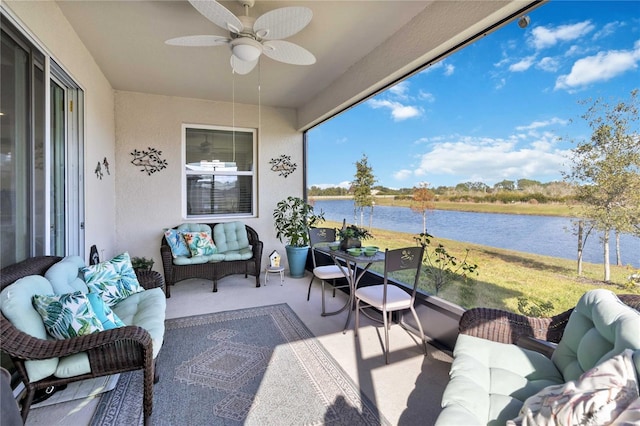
149 160
283 165
100 166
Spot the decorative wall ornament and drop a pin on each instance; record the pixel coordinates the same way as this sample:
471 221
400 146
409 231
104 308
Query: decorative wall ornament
100 166
98 171
283 165
149 160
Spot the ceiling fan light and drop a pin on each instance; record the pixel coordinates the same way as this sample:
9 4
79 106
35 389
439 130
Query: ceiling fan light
246 49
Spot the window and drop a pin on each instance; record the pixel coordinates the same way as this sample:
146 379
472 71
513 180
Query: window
219 171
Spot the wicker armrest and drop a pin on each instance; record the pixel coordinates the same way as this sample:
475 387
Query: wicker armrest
150 279
507 327
24 346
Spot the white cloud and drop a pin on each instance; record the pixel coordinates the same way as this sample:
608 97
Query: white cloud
342 140
538 124
608 29
400 90
600 67
548 64
492 160
522 65
403 174
426 96
447 69
399 111
543 37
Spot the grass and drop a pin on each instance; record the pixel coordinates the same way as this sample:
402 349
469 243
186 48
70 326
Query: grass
506 275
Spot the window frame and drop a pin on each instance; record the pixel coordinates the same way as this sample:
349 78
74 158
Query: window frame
253 173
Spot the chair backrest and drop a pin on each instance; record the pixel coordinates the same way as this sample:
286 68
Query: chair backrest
320 235
404 259
600 327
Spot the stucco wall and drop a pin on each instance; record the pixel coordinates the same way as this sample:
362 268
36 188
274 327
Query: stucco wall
146 204
45 23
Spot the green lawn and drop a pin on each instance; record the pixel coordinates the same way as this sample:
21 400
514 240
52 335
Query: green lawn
505 275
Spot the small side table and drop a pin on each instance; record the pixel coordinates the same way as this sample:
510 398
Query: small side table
274 270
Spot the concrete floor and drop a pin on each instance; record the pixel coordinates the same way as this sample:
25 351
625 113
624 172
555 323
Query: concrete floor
407 391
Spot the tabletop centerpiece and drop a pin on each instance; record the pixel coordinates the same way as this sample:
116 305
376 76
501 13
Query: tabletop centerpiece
351 236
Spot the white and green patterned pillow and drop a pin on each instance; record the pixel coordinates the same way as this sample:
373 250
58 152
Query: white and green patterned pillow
113 280
199 243
67 315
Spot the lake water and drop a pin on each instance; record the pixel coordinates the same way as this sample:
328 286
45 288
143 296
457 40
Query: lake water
545 235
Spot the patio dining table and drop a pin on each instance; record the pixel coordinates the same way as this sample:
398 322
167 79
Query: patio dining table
348 263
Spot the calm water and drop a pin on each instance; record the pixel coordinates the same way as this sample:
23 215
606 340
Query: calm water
546 235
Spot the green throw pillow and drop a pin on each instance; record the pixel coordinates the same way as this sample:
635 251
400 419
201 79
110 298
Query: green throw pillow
113 280
67 315
199 243
105 315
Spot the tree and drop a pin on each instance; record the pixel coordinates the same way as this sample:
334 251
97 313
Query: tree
506 185
606 169
421 201
362 185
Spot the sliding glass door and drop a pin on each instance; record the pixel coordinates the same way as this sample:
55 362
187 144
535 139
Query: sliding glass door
41 153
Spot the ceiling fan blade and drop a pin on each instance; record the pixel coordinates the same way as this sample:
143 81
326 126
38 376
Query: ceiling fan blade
218 14
242 67
282 23
198 41
287 52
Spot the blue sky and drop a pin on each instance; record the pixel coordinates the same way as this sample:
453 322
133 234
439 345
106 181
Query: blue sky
506 107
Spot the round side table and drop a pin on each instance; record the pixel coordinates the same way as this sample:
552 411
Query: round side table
274 270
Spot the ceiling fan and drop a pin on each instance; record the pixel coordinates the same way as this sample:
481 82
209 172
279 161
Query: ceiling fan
250 37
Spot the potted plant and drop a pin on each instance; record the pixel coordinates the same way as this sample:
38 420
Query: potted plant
352 236
293 217
141 263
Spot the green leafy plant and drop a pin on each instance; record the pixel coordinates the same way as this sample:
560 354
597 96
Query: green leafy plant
293 217
142 263
353 231
443 266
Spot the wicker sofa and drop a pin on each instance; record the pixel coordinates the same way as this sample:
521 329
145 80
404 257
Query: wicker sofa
231 258
112 351
501 359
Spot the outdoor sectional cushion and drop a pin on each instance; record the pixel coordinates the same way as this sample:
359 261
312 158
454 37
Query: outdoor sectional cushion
230 240
15 301
65 276
490 380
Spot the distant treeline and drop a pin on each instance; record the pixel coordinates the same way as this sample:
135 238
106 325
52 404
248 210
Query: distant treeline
522 191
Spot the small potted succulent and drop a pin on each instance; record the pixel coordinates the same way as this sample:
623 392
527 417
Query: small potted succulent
352 236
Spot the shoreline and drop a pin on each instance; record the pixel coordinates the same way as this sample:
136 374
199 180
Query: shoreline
559 210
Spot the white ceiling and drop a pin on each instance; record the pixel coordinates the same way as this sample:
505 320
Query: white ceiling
360 46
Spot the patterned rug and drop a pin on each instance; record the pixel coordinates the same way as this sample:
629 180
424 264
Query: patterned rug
258 366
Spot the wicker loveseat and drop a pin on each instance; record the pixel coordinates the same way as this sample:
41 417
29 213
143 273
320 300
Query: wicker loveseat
236 253
112 351
505 361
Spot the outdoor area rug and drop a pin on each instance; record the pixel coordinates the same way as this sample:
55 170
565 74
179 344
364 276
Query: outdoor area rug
257 366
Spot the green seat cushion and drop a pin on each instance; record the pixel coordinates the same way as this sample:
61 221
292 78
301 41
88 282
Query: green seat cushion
491 380
73 365
17 307
196 260
145 310
230 236
600 327
66 276
242 254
